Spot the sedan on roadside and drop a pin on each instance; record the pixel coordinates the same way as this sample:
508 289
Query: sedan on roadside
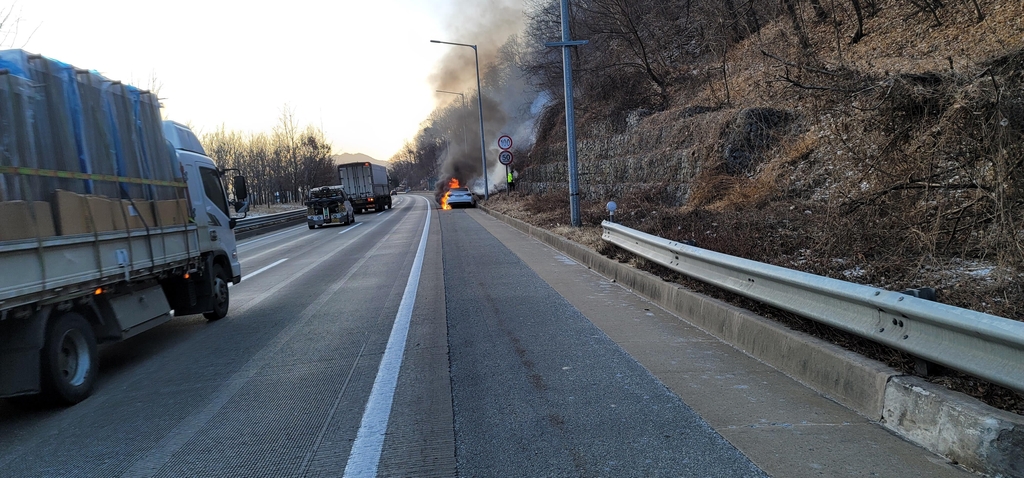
461 197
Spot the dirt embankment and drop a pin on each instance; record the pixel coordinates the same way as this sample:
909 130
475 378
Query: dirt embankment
896 162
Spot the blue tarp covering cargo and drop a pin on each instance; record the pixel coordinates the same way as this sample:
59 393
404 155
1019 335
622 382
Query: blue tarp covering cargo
56 117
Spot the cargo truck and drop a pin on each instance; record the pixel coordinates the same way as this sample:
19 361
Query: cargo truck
111 221
366 184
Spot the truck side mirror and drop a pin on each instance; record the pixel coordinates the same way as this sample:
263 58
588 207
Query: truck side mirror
241 207
241 202
241 190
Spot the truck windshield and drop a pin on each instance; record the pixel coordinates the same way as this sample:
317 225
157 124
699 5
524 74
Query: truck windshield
214 189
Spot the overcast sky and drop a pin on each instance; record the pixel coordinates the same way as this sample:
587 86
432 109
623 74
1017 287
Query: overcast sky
359 68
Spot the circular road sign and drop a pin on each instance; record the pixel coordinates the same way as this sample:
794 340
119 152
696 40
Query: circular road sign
505 157
505 143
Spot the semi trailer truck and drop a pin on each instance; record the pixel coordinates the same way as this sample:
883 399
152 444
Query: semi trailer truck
366 184
111 222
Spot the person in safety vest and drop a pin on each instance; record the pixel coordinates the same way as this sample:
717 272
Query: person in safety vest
511 181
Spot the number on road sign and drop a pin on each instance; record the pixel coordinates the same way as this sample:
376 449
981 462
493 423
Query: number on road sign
505 143
505 157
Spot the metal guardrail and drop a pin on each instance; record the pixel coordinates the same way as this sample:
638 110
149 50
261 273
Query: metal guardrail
983 345
256 222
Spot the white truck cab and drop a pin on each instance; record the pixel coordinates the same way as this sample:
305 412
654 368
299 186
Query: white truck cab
210 208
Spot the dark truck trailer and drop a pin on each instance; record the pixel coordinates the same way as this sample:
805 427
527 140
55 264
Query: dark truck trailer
366 185
328 205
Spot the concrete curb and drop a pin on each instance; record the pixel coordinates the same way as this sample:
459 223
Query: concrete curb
947 423
955 426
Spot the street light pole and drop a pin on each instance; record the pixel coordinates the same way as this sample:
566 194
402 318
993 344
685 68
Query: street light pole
480 104
570 120
465 143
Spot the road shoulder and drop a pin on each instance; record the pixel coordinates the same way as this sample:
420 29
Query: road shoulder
784 427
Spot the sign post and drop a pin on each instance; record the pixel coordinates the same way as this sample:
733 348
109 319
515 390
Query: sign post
505 157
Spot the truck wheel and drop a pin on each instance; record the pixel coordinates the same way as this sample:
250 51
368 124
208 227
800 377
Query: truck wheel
311 226
69 360
220 295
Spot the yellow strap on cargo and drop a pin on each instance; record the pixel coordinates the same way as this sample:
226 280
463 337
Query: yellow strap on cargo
95 177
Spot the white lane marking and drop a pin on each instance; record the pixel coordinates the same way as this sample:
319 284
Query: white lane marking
279 246
293 230
366 450
353 227
258 271
251 274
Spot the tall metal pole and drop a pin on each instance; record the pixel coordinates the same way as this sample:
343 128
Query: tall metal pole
480 103
570 120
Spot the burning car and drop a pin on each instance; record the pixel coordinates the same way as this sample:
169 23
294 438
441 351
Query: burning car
456 196
460 197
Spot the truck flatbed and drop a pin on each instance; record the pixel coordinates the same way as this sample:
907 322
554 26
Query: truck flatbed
65 266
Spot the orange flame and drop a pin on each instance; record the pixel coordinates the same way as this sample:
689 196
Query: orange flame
453 183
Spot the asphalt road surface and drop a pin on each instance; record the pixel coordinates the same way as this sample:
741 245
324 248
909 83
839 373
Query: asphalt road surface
416 342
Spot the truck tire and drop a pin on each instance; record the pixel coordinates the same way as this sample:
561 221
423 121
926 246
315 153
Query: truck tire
220 295
311 226
69 361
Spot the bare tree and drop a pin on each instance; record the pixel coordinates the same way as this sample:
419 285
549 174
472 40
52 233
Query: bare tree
798 28
317 165
10 27
859 34
282 166
286 153
623 24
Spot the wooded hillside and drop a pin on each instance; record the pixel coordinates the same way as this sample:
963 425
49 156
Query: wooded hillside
879 142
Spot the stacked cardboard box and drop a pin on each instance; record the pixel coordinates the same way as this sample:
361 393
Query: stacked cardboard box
86 214
172 212
139 214
25 220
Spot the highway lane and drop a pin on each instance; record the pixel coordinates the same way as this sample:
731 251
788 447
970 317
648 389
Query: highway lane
540 391
276 388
